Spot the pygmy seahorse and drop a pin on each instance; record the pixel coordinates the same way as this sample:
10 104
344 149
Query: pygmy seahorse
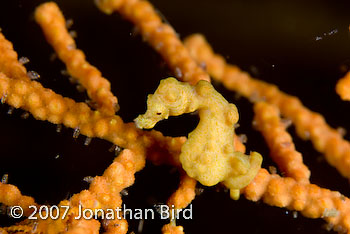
208 155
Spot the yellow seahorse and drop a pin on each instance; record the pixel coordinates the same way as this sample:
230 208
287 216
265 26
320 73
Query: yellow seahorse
208 155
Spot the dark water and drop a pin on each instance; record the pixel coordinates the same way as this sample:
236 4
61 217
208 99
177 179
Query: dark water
303 47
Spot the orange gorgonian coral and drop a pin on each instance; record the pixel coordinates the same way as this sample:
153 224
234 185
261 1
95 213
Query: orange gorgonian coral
191 61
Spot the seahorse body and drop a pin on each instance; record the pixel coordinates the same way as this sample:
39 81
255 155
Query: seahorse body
208 155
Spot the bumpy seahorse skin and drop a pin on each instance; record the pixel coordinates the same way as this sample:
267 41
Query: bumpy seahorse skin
208 155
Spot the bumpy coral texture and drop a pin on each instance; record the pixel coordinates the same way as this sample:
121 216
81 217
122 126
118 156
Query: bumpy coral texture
9 63
161 36
283 152
53 24
44 104
311 200
292 192
343 87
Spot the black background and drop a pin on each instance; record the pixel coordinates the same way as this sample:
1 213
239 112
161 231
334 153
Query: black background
302 46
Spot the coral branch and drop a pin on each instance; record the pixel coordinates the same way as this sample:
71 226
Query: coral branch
104 193
184 194
343 87
53 24
172 229
44 104
239 146
281 145
11 196
84 226
160 35
212 154
311 200
9 63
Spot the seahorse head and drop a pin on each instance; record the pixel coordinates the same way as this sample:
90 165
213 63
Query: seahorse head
170 99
